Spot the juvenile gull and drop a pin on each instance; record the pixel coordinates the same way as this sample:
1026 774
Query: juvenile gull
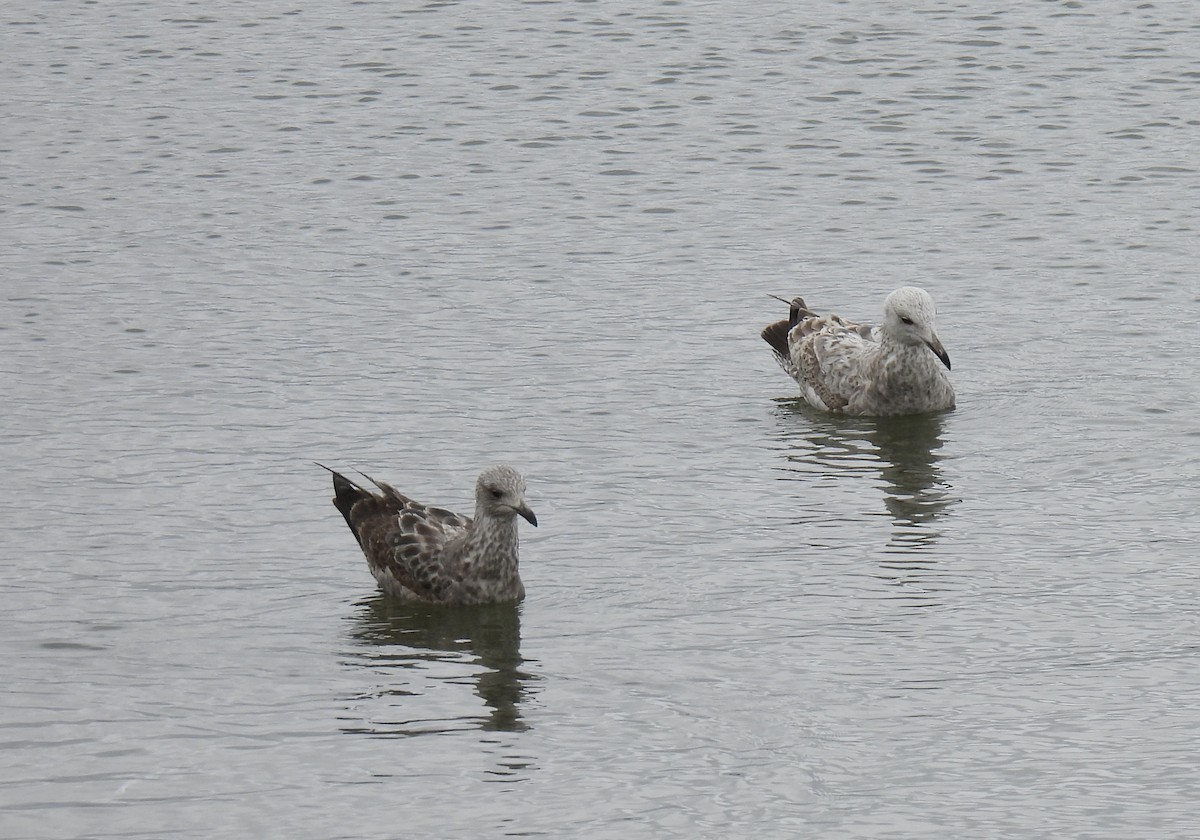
860 369
421 553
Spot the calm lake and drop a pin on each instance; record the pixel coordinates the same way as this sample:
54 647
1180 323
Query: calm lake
418 238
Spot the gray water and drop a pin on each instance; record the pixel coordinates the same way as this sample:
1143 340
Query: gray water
418 238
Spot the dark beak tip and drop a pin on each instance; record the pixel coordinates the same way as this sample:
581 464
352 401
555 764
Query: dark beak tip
530 517
941 354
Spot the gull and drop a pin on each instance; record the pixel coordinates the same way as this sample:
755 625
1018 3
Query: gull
432 555
865 370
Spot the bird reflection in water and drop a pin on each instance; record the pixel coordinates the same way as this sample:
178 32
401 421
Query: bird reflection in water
417 650
903 451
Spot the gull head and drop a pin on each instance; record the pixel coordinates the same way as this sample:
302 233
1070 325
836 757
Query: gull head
910 317
500 492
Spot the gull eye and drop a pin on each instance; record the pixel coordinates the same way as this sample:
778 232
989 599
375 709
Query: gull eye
496 493
906 319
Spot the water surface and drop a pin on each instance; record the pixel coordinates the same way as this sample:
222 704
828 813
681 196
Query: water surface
421 238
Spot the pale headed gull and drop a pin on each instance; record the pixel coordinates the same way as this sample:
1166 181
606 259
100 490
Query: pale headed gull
429 554
898 367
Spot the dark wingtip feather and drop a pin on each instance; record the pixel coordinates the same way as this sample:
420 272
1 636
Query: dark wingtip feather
345 495
777 336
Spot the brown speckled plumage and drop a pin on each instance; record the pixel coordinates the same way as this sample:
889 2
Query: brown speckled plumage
898 367
422 553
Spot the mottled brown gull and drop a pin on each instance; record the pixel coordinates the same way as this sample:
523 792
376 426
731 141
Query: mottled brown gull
860 369
429 554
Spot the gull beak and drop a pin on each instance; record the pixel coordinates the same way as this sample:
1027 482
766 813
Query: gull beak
527 514
936 346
